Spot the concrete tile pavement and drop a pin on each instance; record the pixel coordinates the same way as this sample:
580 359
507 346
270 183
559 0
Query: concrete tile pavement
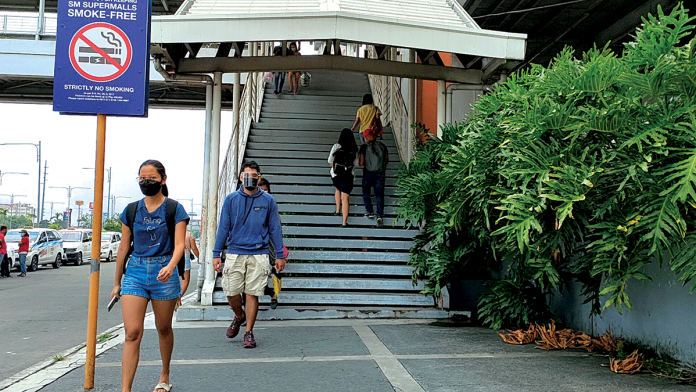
360 355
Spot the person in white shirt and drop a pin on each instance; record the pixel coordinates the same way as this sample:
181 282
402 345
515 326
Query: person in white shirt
343 158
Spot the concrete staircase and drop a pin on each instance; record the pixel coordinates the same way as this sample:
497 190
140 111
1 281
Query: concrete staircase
332 272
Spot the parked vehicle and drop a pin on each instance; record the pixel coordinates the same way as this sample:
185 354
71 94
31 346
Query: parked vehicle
45 247
110 241
77 244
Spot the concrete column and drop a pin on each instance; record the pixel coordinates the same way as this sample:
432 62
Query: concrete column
441 105
213 176
206 248
412 108
236 90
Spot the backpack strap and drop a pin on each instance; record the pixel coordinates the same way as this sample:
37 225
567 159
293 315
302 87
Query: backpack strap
131 210
170 217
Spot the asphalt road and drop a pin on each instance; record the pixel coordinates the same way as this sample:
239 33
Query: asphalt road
46 313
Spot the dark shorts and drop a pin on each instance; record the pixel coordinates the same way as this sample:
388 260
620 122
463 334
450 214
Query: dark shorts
343 183
141 279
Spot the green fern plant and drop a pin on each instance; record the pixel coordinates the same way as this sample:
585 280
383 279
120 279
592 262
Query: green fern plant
583 170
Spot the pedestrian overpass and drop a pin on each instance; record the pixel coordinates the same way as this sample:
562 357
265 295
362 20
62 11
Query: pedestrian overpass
377 46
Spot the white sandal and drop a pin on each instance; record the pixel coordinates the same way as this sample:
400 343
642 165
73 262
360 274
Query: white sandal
166 387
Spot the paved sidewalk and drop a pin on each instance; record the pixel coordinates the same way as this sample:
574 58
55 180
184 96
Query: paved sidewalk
359 355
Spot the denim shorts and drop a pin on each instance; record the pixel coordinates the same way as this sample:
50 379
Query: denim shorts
141 279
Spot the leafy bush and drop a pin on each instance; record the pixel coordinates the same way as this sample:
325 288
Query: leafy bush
585 169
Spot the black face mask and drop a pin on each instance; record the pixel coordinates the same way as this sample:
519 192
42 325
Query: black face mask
250 183
150 188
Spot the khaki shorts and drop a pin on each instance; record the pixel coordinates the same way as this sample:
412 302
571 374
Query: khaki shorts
245 274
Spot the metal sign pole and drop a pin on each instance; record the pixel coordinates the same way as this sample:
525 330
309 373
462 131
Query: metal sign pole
96 249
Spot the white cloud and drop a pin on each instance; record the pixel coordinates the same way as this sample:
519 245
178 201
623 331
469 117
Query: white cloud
173 136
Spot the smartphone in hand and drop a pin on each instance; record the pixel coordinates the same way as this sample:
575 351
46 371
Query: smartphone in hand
111 303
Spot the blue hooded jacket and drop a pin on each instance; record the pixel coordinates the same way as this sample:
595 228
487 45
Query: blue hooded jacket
247 223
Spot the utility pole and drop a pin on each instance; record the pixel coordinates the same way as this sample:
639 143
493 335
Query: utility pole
43 199
6 173
52 203
38 158
12 196
70 189
108 204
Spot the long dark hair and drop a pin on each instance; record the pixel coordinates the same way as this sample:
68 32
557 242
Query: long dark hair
367 100
160 170
347 140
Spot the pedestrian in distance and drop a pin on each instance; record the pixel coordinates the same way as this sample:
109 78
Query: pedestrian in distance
343 158
249 221
374 158
274 291
4 262
369 118
294 75
23 250
278 77
190 251
149 269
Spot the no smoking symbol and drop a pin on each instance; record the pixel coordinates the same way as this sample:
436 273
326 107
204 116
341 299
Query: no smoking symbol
100 52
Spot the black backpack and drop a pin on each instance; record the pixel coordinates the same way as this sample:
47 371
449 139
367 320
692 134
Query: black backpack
169 216
375 157
343 162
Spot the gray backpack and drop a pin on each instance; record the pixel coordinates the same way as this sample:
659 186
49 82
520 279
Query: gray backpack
375 157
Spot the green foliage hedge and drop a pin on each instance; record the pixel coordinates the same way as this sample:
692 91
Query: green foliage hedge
585 170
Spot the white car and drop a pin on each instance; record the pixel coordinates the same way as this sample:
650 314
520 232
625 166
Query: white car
45 247
77 244
110 241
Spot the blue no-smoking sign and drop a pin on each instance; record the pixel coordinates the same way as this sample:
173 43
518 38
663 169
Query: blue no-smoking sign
102 61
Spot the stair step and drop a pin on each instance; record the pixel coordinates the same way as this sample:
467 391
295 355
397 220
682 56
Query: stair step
347 232
328 210
308 95
328 200
318 189
362 257
341 298
323 147
300 130
324 220
302 115
315 180
347 269
315 108
280 138
346 244
392 172
324 283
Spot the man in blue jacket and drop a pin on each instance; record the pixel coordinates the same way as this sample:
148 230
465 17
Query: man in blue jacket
248 221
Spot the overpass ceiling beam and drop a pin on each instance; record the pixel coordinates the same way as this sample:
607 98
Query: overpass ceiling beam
345 27
193 49
337 63
224 49
238 48
627 24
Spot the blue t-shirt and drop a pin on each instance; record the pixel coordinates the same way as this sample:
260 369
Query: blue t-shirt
150 233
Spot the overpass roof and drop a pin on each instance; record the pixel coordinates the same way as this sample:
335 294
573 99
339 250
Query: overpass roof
428 26
158 6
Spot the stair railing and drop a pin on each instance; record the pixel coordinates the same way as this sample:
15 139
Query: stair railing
250 104
387 96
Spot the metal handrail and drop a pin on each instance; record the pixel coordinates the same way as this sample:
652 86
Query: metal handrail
386 94
27 25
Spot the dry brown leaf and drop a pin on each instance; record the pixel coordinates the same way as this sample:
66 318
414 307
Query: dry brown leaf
631 365
521 337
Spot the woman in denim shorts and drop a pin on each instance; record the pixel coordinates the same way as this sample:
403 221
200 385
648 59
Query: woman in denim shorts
150 274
